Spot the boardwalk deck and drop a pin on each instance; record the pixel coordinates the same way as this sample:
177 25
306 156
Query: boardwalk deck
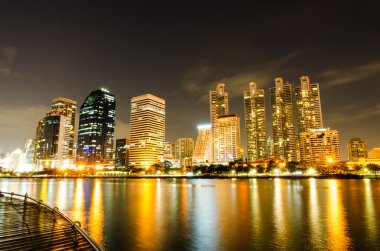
26 224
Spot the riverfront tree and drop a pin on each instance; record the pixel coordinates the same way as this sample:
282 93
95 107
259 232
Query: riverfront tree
373 167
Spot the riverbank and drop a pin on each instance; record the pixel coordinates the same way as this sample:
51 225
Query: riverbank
207 176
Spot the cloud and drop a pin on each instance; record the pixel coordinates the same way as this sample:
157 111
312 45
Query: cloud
7 57
17 124
349 75
203 77
9 54
347 115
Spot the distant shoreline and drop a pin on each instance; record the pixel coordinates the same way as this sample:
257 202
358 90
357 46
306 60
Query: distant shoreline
321 176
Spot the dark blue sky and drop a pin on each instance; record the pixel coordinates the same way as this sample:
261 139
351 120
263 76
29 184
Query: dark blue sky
179 52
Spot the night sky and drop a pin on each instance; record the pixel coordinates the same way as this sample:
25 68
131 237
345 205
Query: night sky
179 52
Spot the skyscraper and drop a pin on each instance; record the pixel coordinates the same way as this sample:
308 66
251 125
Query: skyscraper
147 131
284 140
357 149
255 123
308 103
96 129
320 146
184 148
120 152
54 142
218 103
202 151
226 136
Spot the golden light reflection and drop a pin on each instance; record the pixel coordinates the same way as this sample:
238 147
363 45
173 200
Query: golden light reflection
256 209
96 217
336 220
60 199
279 215
370 215
145 202
314 216
43 191
78 205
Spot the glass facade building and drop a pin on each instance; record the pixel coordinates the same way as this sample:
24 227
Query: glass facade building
96 129
284 140
255 123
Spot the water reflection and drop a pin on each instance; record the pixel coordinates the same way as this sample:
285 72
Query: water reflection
78 203
370 216
201 214
336 220
96 213
280 236
316 233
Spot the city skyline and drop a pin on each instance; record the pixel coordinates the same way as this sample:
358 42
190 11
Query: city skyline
44 54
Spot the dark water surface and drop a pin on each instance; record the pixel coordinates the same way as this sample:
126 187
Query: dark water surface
217 214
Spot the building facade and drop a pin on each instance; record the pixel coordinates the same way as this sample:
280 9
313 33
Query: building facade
284 140
54 141
226 138
121 153
96 129
255 123
308 105
147 131
218 103
320 147
184 148
357 149
202 150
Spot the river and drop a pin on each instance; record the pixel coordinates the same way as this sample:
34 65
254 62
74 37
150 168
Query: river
216 214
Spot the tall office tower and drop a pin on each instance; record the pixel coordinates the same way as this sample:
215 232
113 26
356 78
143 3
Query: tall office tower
255 123
120 152
227 138
320 146
282 121
269 148
96 129
357 149
218 103
54 142
184 148
67 108
169 150
202 151
308 103
147 130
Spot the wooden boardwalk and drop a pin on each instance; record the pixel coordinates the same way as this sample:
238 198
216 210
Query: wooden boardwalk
27 224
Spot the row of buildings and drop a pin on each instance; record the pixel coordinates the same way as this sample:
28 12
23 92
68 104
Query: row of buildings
219 142
295 138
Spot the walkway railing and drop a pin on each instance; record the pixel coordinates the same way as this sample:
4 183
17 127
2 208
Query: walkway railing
77 234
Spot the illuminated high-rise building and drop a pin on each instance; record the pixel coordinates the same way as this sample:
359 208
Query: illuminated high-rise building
226 138
357 149
169 150
147 131
202 151
96 129
284 140
255 123
218 103
54 142
120 152
184 148
320 147
308 104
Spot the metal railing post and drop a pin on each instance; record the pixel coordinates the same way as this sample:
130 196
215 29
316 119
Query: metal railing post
26 198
